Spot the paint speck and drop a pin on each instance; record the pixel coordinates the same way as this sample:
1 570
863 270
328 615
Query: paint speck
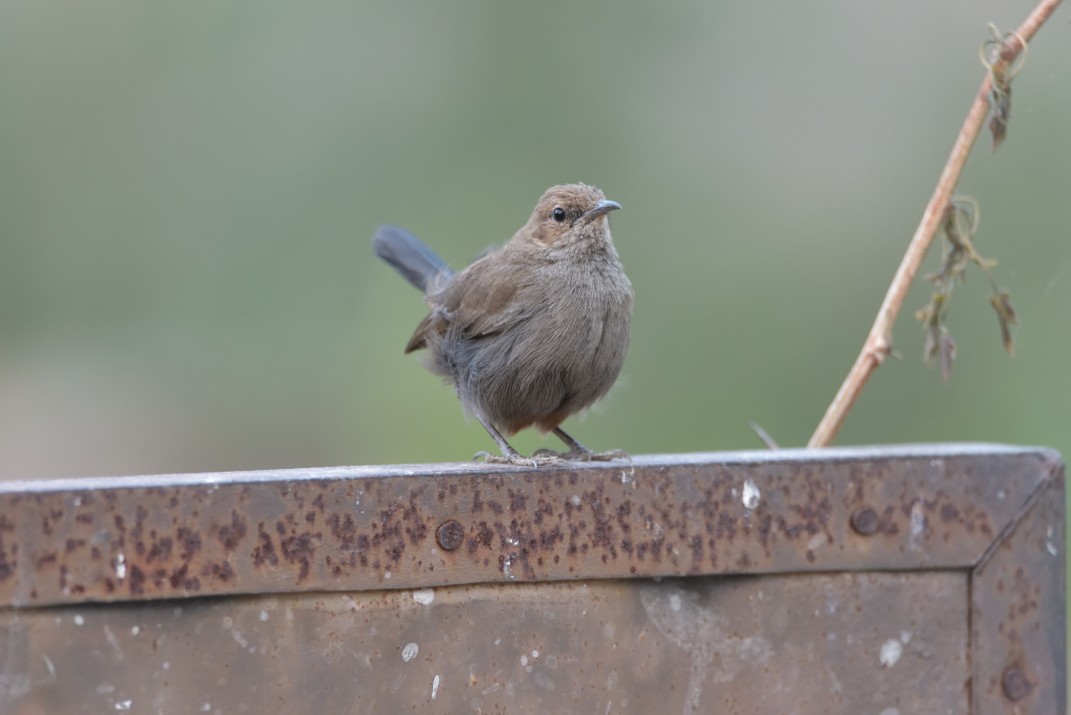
507 567
574 500
120 566
751 495
166 665
905 637
228 625
817 541
410 651
1049 545
492 688
674 602
535 654
263 615
524 660
434 687
123 704
498 641
891 650
424 596
134 630
205 707
78 620
918 526
386 575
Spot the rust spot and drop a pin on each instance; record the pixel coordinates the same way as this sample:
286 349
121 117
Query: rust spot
950 513
299 549
190 542
222 571
230 535
137 580
160 550
517 500
344 529
7 568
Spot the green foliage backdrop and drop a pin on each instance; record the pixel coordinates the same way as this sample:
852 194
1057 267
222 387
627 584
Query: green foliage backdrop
188 190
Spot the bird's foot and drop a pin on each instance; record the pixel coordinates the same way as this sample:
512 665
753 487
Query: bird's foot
584 455
542 458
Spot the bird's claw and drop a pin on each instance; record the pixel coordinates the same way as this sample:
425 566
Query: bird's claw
536 460
584 455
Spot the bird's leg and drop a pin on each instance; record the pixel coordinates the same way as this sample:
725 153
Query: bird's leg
509 454
581 453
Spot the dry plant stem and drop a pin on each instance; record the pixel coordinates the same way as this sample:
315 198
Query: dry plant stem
879 342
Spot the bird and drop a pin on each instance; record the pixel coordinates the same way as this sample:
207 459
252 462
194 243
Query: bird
531 332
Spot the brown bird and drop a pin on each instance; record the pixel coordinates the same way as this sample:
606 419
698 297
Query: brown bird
530 333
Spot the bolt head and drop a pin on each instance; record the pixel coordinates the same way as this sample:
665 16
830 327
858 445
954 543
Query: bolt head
1015 685
865 521
449 535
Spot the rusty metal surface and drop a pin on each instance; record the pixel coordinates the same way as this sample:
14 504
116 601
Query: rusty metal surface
1018 614
349 529
814 643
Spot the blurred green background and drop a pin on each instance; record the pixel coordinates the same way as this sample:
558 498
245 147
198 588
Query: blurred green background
188 191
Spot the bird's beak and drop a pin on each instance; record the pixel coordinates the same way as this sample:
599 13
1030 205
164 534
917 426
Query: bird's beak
600 209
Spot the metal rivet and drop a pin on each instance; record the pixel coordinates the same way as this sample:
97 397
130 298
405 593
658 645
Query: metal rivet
449 535
865 521
1015 684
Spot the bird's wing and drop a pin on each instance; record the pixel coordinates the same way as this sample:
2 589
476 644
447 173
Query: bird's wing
480 301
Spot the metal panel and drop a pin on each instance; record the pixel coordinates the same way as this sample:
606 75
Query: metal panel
892 580
1018 610
849 643
432 525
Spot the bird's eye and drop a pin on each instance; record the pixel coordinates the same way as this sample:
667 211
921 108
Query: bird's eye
558 213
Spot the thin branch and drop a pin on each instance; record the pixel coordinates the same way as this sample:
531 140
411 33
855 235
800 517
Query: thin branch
879 342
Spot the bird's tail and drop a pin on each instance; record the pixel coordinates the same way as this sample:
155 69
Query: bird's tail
417 263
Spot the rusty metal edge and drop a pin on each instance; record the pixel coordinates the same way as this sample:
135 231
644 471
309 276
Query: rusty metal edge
730 458
499 549
1020 672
